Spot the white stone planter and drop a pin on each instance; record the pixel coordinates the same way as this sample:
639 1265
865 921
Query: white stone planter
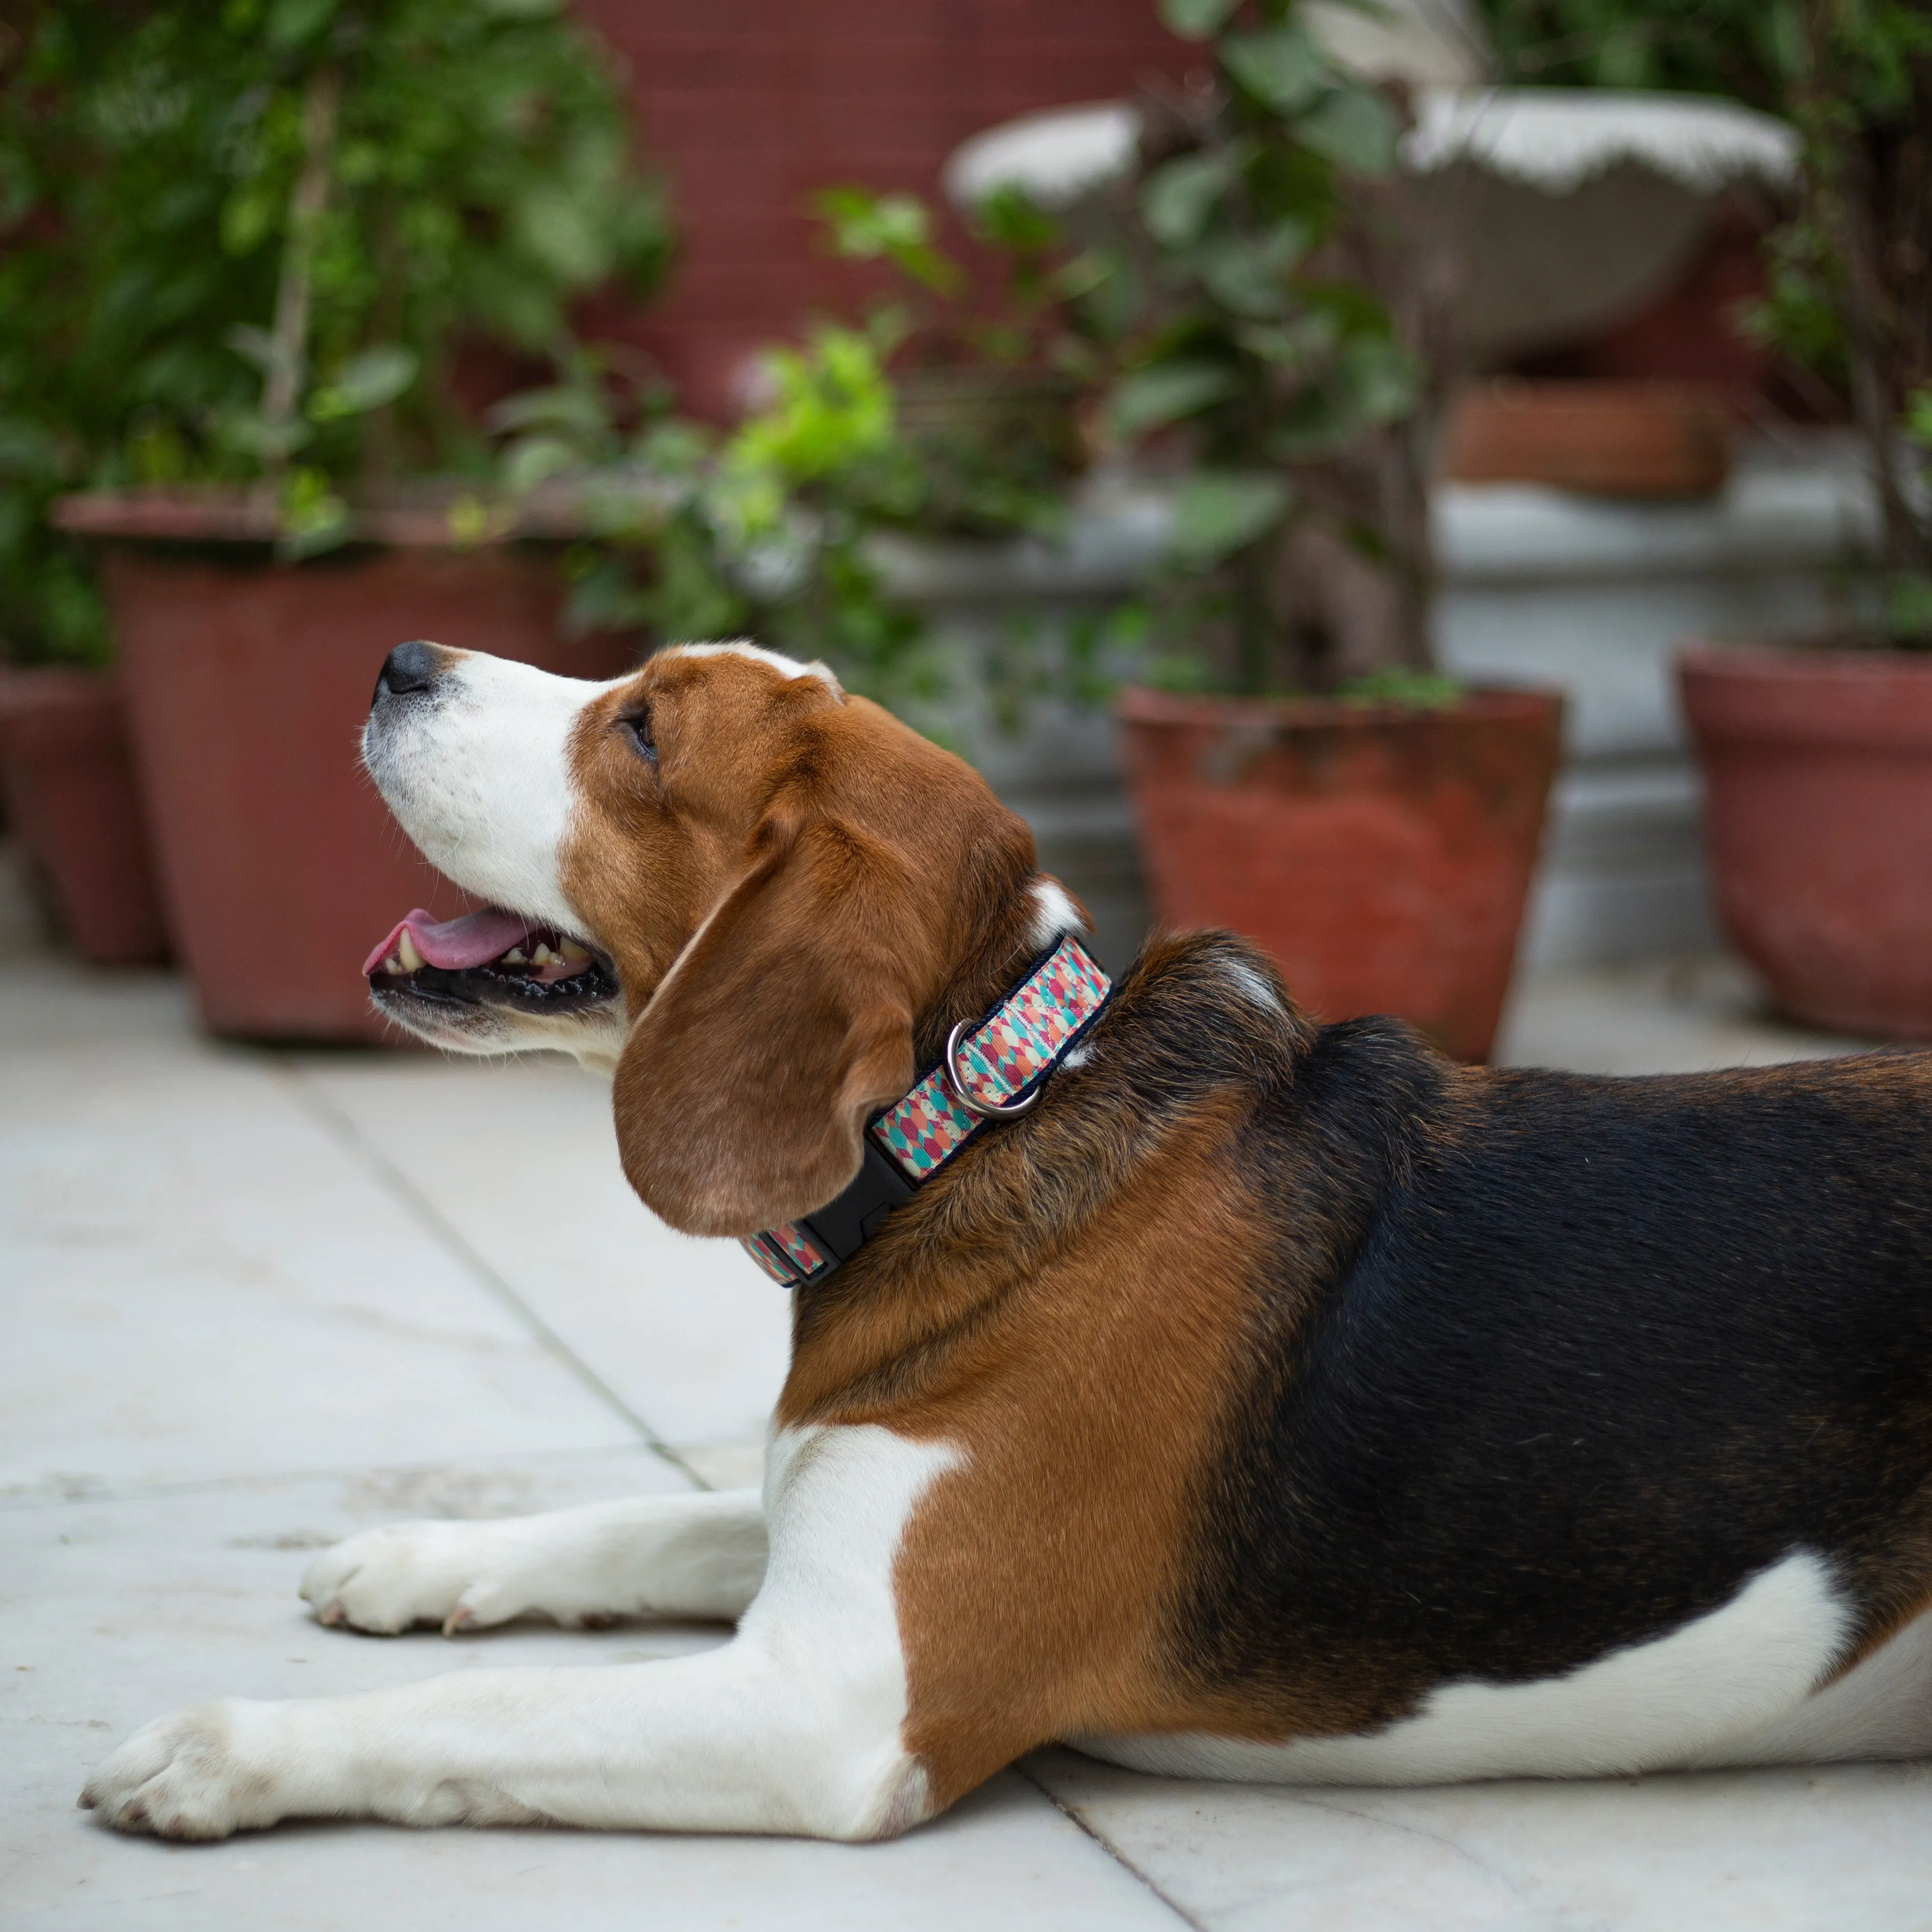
1539 586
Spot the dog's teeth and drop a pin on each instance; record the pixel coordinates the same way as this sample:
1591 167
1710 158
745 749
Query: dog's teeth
516 956
542 956
412 961
392 964
569 949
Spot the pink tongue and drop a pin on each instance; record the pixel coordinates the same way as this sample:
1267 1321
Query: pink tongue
474 939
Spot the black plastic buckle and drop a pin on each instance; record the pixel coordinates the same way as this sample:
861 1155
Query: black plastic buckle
845 1224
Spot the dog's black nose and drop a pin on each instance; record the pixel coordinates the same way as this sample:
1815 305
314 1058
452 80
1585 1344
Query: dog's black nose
410 666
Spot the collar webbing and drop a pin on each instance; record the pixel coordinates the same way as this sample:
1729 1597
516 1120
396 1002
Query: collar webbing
1008 1055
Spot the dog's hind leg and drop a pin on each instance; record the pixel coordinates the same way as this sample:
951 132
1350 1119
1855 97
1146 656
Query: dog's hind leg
701 1555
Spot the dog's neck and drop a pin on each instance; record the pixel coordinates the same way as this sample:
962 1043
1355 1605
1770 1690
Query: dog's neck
994 1068
1027 924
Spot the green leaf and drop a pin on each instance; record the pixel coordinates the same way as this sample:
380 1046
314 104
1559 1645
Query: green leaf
292 21
552 222
1251 277
247 217
364 383
1196 19
535 459
1356 129
896 228
1918 421
1219 511
1283 68
1150 399
1010 218
1289 345
1180 195
1384 383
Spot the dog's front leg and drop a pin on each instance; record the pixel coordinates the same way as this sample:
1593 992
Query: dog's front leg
700 1556
739 1739
795 1725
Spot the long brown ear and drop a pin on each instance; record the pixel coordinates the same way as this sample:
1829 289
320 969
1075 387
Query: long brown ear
786 1021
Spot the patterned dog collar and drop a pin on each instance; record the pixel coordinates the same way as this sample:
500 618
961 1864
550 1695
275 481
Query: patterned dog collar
1003 1062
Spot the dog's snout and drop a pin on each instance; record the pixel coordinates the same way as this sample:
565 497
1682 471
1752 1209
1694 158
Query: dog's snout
412 666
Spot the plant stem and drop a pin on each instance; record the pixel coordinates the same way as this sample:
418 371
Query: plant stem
289 339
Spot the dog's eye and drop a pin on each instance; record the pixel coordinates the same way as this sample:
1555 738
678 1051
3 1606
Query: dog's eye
636 726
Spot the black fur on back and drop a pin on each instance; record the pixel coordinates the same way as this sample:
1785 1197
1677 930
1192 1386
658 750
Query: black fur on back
1579 1358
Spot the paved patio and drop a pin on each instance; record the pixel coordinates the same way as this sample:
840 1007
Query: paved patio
254 1301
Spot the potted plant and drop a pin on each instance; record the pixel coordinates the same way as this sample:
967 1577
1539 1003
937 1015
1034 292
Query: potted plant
66 778
256 260
1299 771
1818 760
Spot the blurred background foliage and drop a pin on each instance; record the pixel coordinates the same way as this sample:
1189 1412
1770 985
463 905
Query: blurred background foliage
250 242
1747 49
248 239
1849 293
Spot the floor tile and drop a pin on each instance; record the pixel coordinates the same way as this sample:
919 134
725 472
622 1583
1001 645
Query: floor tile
1799 1850
244 1297
520 1158
111 1613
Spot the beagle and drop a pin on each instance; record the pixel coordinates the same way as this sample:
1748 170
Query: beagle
1220 1392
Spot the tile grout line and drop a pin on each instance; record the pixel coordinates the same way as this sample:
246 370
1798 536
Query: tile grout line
1113 1851
19 1500
439 1226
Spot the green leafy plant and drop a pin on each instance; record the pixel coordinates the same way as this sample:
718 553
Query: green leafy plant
1850 270
244 240
1852 286
760 533
1257 299
987 379
1748 49
769 530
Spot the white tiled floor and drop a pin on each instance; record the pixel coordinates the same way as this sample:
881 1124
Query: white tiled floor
252 1301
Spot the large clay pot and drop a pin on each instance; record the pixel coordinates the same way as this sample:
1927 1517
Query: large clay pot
69 782
1383 855
1818 820
248 682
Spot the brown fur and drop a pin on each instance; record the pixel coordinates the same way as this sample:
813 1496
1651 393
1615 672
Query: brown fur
818 845
801 896
806 850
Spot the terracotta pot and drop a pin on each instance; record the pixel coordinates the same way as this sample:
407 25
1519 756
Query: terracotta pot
69 778
1382 855
1611 438
247 682
1818 820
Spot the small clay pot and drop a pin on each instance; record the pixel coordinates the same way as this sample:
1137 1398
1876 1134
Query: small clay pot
1818 822
1382 855
69 777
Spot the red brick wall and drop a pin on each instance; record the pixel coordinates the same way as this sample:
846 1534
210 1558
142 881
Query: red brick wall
750 105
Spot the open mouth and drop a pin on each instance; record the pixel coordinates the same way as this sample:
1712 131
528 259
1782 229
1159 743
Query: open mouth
490 957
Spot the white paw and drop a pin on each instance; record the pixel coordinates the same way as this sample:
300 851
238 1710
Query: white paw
461 1576
186 1776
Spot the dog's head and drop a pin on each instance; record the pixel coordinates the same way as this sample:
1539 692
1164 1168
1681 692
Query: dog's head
749 892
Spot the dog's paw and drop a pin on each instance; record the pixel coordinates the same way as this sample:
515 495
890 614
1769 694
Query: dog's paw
461 1576
187 1776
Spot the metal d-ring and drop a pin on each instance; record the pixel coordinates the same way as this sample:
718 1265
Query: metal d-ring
948 1072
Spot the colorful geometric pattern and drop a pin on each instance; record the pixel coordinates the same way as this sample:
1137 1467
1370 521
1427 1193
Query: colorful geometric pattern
1033 1026
785 1254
